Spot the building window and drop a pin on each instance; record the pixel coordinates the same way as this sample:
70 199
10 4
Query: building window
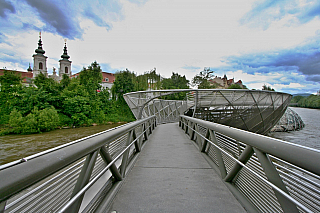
40 66
66 69
107 79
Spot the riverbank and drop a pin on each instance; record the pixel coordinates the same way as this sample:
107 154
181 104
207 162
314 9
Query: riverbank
7 130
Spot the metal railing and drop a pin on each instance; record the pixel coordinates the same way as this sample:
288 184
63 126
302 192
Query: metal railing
265 174
82 176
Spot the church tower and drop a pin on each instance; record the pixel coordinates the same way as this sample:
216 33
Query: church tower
65 64
39 60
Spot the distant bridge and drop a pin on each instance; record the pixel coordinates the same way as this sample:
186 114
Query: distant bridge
186 164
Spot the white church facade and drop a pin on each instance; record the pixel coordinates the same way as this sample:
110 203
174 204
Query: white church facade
40 63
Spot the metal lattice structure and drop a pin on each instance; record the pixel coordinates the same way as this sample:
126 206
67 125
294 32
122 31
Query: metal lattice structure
252 110
290 121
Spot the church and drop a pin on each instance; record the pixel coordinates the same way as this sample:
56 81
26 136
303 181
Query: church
40 63
40 66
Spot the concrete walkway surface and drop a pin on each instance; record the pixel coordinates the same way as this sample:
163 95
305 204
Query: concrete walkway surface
171 175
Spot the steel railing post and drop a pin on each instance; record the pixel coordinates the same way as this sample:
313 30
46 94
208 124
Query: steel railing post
205 142
274 177
193 131
136 143
145 130
83 179
125 156
107 158
198 138
244 158
222 167
2 206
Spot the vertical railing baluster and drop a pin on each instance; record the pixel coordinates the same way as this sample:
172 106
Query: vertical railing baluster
83 179
274 177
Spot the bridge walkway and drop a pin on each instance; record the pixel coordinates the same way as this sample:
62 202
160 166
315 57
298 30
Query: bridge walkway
171 175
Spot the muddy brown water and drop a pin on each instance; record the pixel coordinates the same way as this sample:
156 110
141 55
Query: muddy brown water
15 147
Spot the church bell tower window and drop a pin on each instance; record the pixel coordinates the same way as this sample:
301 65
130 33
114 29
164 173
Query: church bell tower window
66 69
40 66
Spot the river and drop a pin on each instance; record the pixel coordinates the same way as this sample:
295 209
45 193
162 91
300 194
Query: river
310 135
14 147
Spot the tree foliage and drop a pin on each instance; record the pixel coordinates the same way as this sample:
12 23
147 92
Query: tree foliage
48 104
265 87
202 80
176 81
312 101
235 86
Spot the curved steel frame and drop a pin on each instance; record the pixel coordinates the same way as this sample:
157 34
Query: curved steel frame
252 110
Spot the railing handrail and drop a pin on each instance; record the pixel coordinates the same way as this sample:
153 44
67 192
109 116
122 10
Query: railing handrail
301 156
18 177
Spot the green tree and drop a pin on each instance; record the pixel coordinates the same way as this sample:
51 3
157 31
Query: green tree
91 78
9 94
176 81
234 86
202 80
9 81
123 84
65 81
154 79
265 87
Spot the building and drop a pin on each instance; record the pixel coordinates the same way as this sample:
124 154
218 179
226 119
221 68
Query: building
224 83
107 79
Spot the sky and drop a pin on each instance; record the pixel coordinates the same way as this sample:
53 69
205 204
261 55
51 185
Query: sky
261 42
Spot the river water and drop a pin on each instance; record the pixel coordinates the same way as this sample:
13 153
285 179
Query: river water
15 147
310 135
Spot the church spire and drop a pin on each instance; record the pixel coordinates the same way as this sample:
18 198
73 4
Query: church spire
65 56
29 69
40 51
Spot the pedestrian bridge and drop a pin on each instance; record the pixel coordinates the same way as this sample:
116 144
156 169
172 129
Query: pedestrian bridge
170 162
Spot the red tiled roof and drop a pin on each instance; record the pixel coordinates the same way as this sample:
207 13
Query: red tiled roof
109 76
25 75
